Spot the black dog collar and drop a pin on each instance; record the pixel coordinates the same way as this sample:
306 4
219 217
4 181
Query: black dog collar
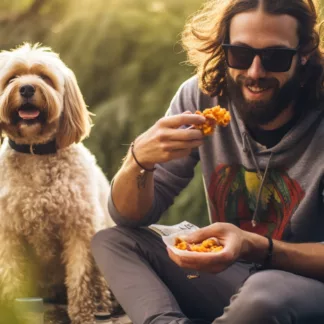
40 149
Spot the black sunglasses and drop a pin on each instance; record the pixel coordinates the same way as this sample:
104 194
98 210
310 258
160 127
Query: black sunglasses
272 59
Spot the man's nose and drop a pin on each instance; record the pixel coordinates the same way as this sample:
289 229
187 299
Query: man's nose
256 70
27 91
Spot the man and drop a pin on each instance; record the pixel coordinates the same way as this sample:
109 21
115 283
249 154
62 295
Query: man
263 175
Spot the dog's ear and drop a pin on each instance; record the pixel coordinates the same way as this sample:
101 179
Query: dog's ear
4 58
75 120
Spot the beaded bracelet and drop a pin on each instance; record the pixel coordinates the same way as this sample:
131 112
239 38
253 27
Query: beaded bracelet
139 164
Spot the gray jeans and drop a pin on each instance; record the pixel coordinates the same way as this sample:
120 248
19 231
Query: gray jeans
153 289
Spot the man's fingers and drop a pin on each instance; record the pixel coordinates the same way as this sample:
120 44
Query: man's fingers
202 234
186 134
205 259
182 119
209 263
180 134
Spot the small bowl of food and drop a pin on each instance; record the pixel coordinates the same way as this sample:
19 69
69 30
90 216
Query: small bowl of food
178 244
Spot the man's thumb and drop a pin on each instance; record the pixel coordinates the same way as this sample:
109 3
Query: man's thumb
200 235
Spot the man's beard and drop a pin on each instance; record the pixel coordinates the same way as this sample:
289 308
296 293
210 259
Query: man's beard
261 112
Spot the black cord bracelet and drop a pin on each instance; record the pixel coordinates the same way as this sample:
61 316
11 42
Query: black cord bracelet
267 263
139 164
268 259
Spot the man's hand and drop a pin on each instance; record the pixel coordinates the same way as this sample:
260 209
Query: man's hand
231 237
167 140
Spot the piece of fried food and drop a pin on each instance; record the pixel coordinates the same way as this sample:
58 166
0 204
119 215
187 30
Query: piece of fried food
214 116
209 245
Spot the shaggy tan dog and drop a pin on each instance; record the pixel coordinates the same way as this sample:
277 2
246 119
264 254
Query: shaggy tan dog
53 196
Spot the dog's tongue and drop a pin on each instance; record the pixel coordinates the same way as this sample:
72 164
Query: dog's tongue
28 114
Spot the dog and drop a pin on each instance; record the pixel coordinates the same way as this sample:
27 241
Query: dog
53 195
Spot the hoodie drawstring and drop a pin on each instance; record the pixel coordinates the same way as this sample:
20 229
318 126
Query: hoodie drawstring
249 149
263 177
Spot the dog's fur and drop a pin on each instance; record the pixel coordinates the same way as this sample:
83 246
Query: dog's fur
50 205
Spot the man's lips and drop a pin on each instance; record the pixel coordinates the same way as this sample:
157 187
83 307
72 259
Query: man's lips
257 89
256 92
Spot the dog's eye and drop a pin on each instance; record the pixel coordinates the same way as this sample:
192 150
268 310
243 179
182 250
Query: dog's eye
11 79
47 79
44 77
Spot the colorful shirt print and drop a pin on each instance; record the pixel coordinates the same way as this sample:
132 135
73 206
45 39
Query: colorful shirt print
233 192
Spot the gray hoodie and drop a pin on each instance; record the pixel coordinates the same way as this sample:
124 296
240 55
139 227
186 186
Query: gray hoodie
276 191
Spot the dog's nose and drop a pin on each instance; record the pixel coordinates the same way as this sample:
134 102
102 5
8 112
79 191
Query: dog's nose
27 91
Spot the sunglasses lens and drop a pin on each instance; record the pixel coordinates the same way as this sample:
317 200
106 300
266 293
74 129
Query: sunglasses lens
277 60
273 59
239 57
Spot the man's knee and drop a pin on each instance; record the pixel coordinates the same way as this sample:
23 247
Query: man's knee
118 238
107 239
100 238
266 297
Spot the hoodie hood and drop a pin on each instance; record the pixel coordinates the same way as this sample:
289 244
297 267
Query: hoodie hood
306 123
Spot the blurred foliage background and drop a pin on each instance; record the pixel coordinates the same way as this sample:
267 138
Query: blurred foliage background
128 61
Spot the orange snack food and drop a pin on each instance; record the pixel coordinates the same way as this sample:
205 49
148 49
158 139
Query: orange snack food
209 245
214 116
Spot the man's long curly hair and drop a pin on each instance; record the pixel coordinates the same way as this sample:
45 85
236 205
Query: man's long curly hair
208 29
